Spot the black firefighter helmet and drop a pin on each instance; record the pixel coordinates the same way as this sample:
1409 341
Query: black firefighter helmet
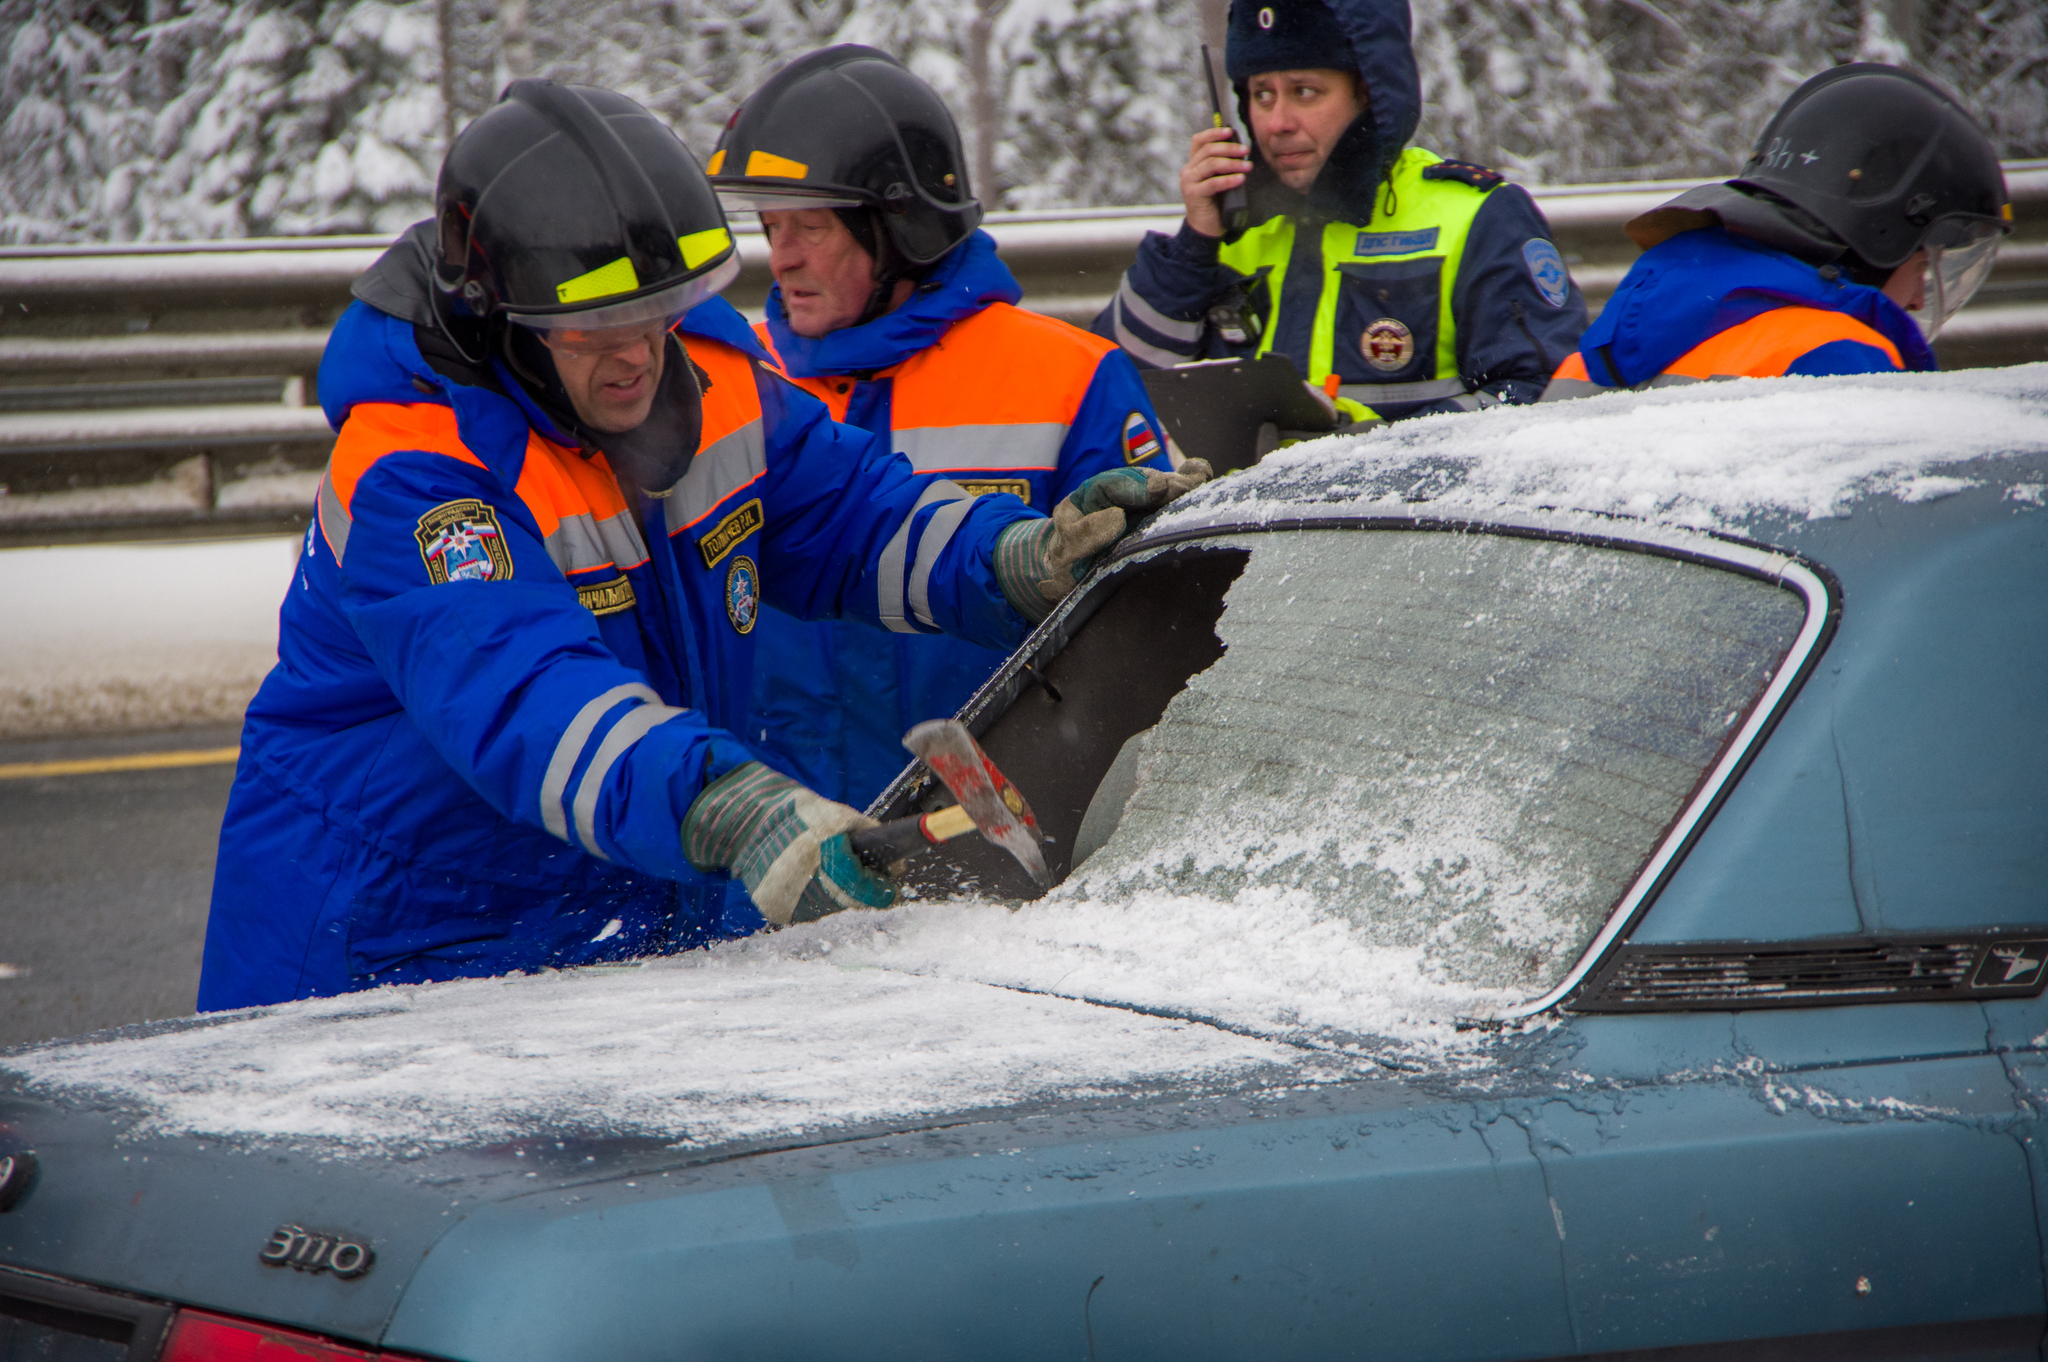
849 128
1863 166
571 207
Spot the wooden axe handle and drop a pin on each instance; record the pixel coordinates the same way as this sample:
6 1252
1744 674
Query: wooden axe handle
899 839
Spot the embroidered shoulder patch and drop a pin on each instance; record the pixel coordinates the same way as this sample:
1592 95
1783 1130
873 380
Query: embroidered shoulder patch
460 541
1546 267
1481 178
606 598
1016 487
1140 443
726 535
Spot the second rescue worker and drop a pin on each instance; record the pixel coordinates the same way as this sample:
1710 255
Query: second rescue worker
1418 284
892 307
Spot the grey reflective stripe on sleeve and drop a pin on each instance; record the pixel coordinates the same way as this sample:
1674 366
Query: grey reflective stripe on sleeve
1564 389
334 517
583 542
627 731
938 449
1139 348
937 534
1152 318
1680 380
720 469
555 783
889 572
1475 400
1393 394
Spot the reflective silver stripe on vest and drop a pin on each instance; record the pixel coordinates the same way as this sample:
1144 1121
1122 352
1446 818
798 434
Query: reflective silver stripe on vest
889 572
1153 318
939 533
1565 389
720 469
1393 394
555 783
334 517
583 542
937 449
1680 380
624 734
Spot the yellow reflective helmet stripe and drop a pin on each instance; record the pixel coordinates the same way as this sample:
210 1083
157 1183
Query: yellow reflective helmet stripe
716 163
699 247
602 282
768 163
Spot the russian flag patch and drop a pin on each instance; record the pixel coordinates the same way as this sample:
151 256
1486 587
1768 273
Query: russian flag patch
1140 443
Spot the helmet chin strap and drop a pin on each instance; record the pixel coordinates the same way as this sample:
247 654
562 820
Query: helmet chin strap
889 268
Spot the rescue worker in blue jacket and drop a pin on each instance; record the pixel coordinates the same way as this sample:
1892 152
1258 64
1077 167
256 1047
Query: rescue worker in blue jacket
1869 212
891 308
499 734
1408 283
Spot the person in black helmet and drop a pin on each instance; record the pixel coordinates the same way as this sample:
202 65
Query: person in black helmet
892 308
1869 212
500 734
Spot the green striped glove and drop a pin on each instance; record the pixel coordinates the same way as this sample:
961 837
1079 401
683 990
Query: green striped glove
787 844
1039 561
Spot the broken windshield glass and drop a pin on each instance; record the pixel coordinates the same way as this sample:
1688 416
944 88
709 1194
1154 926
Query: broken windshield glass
1464 744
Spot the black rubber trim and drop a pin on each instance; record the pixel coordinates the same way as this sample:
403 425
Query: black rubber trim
87 1311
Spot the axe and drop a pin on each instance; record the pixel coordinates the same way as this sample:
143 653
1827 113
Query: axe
988 801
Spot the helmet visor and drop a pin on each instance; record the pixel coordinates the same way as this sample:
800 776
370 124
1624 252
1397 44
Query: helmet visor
662 305
742 197
1956 270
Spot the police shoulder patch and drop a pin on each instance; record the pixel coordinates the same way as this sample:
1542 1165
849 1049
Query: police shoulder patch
1546 268
743 594
1140 443
461 541
1481 178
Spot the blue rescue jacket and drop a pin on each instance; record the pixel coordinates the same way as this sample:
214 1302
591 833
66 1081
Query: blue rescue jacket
969 388
502 679
1708 282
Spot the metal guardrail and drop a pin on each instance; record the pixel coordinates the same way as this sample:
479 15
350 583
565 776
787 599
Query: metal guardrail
166 390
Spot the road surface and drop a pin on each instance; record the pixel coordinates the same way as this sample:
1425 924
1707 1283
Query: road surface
104 878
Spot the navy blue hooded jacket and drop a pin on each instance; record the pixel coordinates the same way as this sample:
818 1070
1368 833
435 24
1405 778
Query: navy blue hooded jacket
1423 285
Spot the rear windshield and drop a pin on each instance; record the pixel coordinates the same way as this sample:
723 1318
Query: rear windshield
1464 745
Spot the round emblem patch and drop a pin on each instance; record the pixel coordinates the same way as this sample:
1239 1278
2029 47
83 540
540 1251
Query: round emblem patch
1546 267
743 594
1387 344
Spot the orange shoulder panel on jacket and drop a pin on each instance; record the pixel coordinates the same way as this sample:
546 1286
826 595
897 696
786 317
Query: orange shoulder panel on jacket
1768 344
835 393
374 429
970 376
555 482
1574 366
732 400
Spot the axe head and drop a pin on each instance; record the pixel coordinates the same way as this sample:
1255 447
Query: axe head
994 804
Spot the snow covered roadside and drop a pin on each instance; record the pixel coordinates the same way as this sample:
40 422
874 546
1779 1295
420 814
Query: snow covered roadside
103 638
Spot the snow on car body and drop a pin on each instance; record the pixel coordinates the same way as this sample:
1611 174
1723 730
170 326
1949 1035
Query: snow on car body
1538 883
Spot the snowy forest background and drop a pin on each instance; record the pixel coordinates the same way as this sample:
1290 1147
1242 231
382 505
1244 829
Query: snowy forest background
184 119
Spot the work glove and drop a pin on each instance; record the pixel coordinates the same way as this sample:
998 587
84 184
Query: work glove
1039 561
787 844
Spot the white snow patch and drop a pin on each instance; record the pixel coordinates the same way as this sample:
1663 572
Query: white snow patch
933 1008
137 635
1710 456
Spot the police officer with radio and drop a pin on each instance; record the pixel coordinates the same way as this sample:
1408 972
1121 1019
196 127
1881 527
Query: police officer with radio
890 307
1869 212
1410 283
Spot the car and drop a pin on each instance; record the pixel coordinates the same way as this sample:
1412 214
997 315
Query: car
1548 882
